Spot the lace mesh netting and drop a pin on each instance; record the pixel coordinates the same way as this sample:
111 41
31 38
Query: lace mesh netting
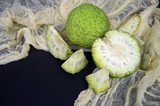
23 23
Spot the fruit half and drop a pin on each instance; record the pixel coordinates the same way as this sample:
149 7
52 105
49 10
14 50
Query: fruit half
118 52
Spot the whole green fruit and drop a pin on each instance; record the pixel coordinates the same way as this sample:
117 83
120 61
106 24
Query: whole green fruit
85 24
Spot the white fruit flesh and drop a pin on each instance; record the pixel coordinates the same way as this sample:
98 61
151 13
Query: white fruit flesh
75 63
118 52
99 81
57 46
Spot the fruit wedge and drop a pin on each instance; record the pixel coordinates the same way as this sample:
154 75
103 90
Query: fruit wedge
145 62
99 81
75 63
57 46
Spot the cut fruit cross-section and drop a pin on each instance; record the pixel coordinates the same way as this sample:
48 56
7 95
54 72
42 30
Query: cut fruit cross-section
118 51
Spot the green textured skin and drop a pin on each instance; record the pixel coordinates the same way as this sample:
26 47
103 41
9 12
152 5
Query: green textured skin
85 24
98 60
145 62
71 69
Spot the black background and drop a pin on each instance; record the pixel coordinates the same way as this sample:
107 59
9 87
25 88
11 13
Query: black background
39 80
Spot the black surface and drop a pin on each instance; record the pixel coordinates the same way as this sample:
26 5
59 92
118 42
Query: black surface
39 80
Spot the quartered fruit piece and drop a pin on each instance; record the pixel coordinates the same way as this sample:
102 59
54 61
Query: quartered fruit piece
57 46
131 25
76 62
99 81
118 51
145 62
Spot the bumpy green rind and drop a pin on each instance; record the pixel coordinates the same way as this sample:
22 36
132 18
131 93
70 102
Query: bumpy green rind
99 60
96 81
145 62
56 45
131 28
73 64
85 24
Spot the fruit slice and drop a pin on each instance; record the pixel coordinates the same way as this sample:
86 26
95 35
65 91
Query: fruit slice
75 63
99 81
57 46
131 25
145 62
118 51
